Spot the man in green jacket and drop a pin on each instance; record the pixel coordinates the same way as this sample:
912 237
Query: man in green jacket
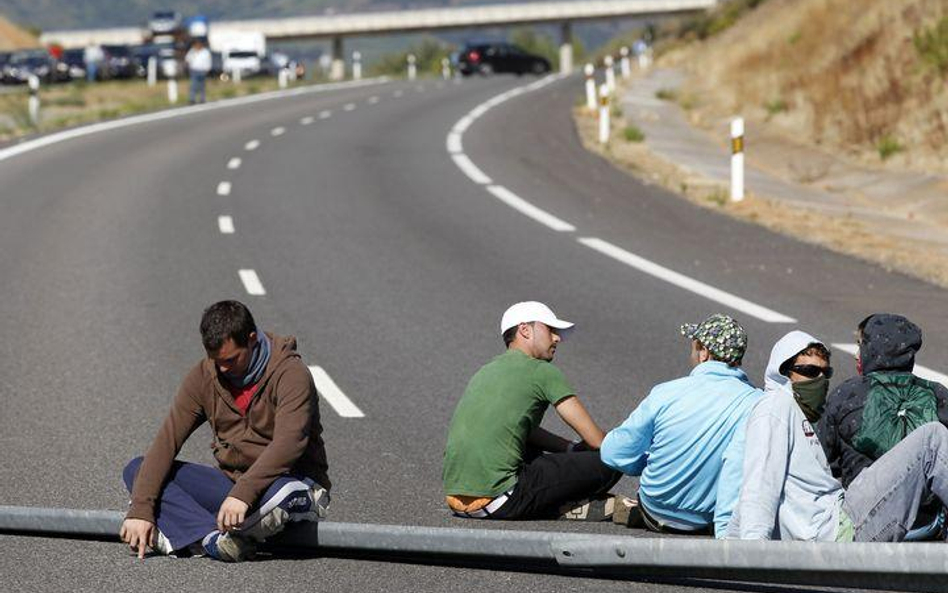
260 400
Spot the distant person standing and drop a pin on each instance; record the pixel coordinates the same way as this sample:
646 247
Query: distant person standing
199 64
91 56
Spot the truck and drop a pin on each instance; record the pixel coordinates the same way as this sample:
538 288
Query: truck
242 51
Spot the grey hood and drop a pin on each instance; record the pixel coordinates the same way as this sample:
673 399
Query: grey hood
889 343
786 348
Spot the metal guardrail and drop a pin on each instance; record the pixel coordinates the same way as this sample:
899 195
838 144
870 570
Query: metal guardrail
894 567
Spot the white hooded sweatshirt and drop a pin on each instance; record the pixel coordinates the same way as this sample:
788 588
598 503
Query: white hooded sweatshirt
787 489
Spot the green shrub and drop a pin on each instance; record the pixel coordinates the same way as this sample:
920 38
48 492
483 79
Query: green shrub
932 45
887 146
666 94
633 134
775 106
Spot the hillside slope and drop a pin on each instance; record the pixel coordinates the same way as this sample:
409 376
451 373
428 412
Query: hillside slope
13 37
851 76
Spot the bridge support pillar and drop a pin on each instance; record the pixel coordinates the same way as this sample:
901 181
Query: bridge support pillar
566 47
337 70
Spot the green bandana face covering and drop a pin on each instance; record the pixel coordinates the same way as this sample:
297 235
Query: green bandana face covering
811 395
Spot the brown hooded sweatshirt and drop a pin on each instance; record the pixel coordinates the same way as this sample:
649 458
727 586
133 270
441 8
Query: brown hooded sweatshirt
280 434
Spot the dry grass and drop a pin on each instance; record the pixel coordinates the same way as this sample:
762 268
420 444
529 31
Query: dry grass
13 37
839 233
845 74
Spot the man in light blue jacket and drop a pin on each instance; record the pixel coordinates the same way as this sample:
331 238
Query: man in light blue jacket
676 437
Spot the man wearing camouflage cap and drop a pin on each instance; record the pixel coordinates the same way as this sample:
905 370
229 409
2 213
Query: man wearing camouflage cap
676 437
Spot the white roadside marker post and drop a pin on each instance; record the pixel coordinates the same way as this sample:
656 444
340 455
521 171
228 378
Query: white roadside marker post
356 65
610 73
237 76
172 85
282 77
737 159
624 62
603 114
152 71
589 71
445 68
412 69
34 83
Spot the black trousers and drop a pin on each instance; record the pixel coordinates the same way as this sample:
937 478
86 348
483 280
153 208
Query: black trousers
549 480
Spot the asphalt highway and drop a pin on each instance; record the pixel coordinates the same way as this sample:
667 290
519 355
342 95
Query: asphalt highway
392 265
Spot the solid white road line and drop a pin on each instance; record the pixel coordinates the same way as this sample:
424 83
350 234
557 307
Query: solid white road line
277 131
524 207
348 106
454 143
923 372
470 169
225 224
373 100
307 120
398 93
223 188
233 163
252 145
252 283
333 395
681 281
325 114
79 132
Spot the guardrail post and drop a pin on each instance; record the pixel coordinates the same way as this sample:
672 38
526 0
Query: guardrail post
604 114
172 72
590 72
624 62
737 159
356 65
34 107
152 70
610 73
237 75
412 68
445 68
282 77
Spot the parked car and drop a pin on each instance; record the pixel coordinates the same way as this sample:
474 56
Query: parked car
29 62
490 58
75 64
119 62
248 62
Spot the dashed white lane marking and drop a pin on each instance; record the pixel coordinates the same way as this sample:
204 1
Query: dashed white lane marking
373 100
252 283
233 163
470 169
333 395
277 131
325 114
307 120
349 106
398 93
223 188
681 281
524 207
923 372
453 143
225 224
252 145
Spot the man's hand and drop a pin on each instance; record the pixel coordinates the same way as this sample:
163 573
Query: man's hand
232 514
138 534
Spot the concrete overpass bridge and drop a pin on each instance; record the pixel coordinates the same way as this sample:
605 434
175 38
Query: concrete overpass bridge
338 27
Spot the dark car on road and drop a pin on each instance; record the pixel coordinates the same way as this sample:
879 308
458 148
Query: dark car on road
34 62
119 62
490 58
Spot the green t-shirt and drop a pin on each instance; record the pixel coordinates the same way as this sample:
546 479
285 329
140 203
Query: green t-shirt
503 403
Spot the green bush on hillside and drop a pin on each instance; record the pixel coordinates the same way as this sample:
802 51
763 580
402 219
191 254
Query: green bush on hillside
428 55
715 21
932 45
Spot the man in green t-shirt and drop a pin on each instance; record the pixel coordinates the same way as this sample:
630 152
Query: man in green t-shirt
499 463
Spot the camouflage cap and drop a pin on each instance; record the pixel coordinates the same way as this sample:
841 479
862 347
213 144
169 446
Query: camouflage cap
721 335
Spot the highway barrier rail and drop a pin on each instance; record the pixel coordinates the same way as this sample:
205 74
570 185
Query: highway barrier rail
894 567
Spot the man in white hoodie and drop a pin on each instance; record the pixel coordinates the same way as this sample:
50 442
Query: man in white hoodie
788 491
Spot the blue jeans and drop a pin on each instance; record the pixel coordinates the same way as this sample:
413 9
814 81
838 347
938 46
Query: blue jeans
198 82
883 500
187 505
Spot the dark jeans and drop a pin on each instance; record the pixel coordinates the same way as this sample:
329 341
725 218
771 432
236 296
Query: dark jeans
198 84
549 480
193 493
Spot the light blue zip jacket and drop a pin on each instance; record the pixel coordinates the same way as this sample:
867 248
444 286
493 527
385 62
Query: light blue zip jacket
675 440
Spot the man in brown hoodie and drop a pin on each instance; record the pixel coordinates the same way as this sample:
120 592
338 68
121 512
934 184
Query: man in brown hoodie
260 400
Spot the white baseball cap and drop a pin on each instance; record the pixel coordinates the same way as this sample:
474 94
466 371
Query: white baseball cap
529 311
